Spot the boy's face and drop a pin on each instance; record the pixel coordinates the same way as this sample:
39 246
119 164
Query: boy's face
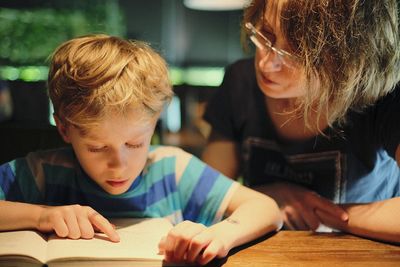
113 153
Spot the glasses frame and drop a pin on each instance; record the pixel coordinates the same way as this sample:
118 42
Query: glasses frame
288 59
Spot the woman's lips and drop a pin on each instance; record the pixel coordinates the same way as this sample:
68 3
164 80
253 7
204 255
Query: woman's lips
116 183
267 81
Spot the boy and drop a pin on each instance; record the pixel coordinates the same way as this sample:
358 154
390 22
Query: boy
107 95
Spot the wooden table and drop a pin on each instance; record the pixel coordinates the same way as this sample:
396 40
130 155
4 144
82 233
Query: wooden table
302 248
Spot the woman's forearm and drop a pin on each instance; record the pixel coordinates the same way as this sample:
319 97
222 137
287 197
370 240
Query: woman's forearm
377 220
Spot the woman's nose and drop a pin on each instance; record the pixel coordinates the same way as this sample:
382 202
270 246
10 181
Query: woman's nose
270 61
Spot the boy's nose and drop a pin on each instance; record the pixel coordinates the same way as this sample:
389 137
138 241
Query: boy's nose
117 160
270 62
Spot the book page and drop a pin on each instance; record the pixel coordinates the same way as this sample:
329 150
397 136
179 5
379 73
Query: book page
139 240
27 243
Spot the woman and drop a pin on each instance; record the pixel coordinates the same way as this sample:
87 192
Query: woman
312 120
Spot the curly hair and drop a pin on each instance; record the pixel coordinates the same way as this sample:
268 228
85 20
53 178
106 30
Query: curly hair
92 75
349 49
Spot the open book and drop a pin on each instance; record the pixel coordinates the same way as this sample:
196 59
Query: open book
138 246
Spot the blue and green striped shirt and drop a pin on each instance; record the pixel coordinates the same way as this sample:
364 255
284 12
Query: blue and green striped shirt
174 184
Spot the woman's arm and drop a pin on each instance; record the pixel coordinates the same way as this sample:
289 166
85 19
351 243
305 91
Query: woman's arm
378 220
222 154
297 204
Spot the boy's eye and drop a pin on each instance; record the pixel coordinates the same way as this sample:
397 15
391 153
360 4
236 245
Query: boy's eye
102 149
134 146
96 149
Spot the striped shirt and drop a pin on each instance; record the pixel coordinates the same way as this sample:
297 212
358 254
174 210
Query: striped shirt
174 184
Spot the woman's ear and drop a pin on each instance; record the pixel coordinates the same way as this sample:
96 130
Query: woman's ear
62 129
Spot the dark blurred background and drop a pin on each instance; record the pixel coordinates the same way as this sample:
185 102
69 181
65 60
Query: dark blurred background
197 45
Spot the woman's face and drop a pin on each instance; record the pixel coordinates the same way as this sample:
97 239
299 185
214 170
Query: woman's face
275 78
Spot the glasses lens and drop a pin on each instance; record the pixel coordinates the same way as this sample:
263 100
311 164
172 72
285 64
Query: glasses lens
263 43
259 43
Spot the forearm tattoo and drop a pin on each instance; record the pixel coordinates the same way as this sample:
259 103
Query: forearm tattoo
232 221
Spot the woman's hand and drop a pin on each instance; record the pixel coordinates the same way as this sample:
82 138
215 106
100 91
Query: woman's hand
192 243
298 206
75 221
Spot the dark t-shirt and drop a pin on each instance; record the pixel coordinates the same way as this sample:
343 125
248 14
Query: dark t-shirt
353 163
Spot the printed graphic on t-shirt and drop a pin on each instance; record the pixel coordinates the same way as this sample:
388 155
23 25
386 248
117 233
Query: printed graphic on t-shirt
265 162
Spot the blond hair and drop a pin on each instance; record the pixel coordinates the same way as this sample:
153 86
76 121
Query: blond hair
92 75
349 50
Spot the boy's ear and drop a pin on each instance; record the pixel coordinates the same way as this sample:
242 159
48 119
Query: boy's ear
62 129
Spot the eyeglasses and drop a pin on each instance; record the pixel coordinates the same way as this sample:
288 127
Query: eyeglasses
264 44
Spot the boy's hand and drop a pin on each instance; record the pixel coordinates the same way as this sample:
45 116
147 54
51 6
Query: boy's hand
192 243
299 205
75 221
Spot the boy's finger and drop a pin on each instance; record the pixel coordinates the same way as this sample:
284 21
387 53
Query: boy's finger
182 244
210 252
161 245
86 227
60 227
74 231
169 247
197 245
104 226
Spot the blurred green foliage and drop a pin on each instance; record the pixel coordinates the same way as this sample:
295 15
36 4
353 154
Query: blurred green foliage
29 36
